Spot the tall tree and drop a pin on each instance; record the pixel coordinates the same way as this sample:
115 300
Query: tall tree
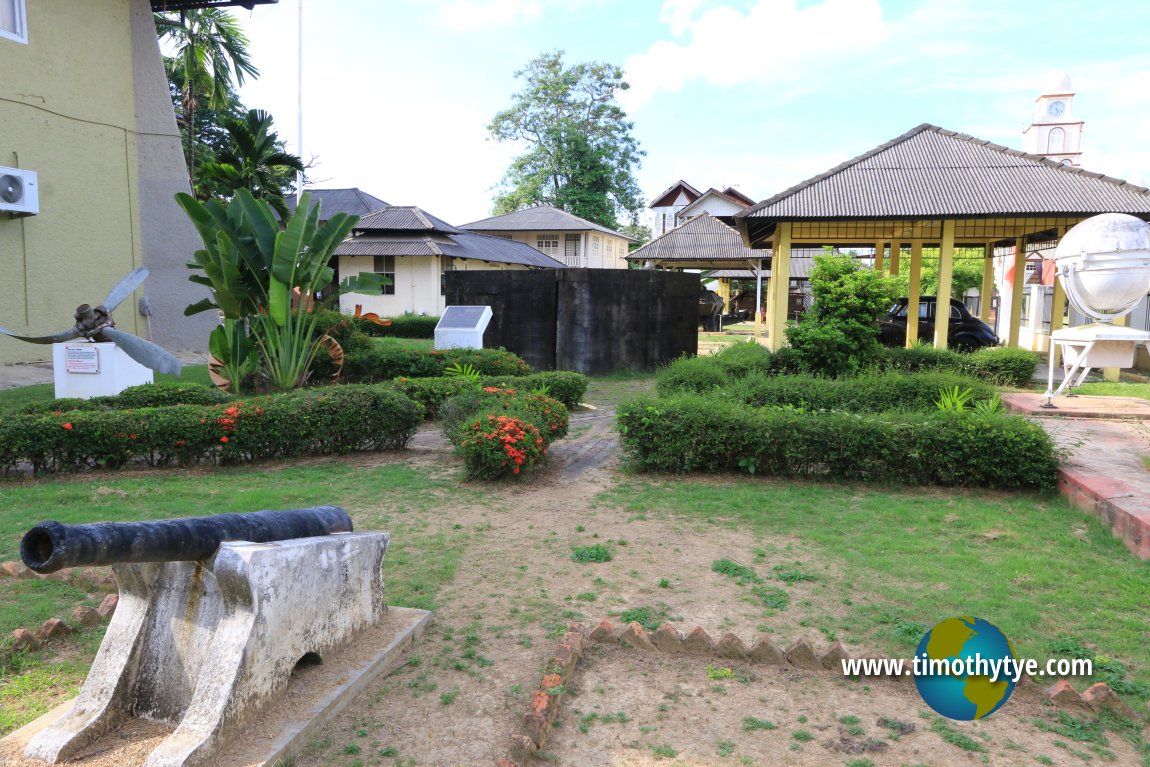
580 156
211 53
255 160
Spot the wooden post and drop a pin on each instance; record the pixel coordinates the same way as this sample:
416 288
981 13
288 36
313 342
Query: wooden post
945 273
915 291
780 286
1014 326
895 253
878 256
987 289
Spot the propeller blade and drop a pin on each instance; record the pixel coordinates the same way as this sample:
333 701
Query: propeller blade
125 288
55 338
143 351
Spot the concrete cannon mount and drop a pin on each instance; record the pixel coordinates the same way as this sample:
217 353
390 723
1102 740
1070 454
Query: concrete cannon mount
204 647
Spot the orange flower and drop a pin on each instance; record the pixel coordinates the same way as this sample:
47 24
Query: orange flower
68 426
224 440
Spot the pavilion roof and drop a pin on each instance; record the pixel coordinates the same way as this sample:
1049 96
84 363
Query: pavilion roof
930 172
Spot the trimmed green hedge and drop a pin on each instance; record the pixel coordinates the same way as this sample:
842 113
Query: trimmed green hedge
502 432
404 326
1001 365
383 363
699 433
565 386
329 420
874 393
145 395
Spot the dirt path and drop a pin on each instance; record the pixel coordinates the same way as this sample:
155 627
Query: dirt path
466 686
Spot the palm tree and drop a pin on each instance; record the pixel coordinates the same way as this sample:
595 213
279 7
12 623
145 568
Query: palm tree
255 161
211 52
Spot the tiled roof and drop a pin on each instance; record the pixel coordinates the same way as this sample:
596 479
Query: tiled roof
541 218
352 201
932 172
703 238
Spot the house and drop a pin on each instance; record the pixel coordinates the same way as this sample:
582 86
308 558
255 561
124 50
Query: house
414 249
353 201
95 124
574 241
681 202
666 206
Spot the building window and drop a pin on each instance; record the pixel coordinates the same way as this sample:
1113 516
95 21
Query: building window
1055 141
12 21
549 244
571 255
448 266
595 257
385 265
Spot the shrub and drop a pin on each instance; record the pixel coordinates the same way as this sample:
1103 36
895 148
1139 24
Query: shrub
690 374
1002 365
873 393
496 445
338 419
566 386
383 363
548 414
404 326
921 357
697 433
739 360
431 393
145 395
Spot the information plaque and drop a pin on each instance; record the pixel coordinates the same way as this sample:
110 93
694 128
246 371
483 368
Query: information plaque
82 358
462 327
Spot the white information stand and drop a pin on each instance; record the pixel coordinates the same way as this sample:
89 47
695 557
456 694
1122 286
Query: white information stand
461 327
85 370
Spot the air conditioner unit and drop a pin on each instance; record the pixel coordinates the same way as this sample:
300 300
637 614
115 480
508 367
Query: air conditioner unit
19 192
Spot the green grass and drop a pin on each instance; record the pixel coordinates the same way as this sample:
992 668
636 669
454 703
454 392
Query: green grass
1115 389
14 399
1028 563
421 558
594 553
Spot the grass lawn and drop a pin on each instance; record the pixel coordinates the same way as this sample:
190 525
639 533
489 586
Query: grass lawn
1115 389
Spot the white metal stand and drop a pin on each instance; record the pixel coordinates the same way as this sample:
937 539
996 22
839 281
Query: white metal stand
1101 345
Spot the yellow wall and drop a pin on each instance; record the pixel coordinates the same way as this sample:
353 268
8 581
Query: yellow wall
68 112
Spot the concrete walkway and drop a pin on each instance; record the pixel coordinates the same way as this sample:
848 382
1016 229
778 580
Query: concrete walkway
1106 472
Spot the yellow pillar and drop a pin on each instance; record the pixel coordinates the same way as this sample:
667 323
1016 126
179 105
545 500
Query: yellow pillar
945 273
1113 374
1057 305
1014 322
912 296
895 252
763 322
724 292
878 256
987 290
780 286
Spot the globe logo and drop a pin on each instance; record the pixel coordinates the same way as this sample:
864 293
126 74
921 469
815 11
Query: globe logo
954 665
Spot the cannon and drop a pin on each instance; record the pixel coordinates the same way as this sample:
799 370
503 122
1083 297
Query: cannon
50 546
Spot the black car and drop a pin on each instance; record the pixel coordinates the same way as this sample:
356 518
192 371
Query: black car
965 333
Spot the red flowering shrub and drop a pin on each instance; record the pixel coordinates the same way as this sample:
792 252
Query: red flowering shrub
500 445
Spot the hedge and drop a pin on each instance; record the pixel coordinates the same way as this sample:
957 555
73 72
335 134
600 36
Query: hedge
382 363
698 433
548 414
134 397
404 326
873 393
1002 365
330 420
502 432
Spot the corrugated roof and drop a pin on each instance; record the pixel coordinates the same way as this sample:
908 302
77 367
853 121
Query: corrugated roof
368 245
352 201
404 218
500 250
541 218
703 238
932 172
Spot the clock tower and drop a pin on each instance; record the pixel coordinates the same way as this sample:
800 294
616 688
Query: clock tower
1053 131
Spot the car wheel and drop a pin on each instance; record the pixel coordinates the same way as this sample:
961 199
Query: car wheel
966 345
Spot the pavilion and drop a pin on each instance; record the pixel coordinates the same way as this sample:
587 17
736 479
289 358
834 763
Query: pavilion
932 187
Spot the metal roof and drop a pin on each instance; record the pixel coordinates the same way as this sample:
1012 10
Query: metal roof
541 218
184 5
691 191
352 201
410 231
403 218
931 172
703 238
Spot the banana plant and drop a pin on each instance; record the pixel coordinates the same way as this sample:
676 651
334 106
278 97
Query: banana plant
262 278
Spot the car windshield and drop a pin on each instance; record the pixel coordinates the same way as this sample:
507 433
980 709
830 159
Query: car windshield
898 310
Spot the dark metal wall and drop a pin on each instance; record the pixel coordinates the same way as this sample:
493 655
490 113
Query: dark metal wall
594 321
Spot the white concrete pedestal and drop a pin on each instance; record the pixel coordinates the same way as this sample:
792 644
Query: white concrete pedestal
84 370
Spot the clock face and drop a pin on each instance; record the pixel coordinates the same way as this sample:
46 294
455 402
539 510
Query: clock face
1056 108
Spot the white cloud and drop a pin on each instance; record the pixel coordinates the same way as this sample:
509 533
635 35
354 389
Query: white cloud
467 15
773 42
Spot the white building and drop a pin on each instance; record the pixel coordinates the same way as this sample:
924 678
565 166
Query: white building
574 241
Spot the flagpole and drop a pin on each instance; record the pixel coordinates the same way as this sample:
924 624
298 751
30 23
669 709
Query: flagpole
299 91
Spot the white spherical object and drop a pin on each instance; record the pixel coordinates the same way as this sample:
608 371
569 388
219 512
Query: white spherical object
1104 263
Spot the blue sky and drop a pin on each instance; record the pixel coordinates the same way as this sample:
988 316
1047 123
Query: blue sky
760 94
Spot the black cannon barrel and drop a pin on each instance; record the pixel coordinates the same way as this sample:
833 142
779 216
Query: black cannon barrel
50 546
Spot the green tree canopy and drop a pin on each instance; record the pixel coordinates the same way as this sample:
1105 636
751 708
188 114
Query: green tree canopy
580 154
254 159
967 272
211 51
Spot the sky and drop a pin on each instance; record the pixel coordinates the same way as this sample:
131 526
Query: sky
756 94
